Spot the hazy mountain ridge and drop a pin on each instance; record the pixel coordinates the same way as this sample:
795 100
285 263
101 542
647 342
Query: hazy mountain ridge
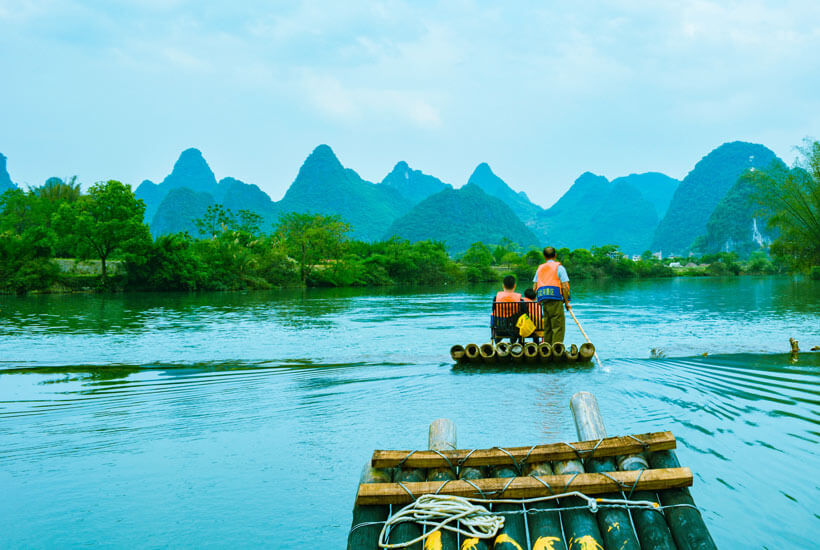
710 205
460 217
596 212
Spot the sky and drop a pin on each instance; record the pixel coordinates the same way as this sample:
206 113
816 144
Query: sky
542 91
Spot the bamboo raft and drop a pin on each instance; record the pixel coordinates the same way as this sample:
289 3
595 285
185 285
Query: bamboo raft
619 493
529 352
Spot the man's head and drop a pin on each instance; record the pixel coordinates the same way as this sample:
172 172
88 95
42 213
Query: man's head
509 282
529 294
549 253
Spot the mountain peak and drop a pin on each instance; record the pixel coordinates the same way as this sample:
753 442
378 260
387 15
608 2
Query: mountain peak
484 177
412 185
191 171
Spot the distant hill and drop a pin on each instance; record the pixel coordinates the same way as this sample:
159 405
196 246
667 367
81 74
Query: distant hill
237 195
413 185
5 179
494 186
702 189
655 187
190 171
596 212
178 210
737 223
460 217
324 186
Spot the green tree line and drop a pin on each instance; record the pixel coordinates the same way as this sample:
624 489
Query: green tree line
233 251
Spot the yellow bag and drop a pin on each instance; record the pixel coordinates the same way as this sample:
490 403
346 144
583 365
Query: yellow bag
525 325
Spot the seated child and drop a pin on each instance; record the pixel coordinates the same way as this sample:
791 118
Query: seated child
534 312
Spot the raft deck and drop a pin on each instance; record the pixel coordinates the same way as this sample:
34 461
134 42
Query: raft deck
626 493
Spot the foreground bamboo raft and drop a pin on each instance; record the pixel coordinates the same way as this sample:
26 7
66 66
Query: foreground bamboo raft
529 352
626 493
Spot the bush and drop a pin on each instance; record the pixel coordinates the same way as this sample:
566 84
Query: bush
814 272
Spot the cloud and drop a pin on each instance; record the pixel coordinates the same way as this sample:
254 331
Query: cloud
356 105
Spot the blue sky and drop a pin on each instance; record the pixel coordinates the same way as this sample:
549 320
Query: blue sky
542 91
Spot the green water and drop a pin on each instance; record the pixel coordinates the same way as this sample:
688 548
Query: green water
243 419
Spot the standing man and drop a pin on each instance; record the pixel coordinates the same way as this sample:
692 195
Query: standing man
551 284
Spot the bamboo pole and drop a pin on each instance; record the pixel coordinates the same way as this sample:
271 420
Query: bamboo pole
594 353
586 352
517 352
685 522
487 352
614 524
544 518
571 354
363 535
513 535
544 352
457 353
502 352
472 353
558 349
530 352
442 437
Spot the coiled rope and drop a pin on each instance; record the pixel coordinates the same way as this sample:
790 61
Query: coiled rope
440 511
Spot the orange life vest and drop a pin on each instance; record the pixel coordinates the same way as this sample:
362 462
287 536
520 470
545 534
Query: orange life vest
507 296
548 283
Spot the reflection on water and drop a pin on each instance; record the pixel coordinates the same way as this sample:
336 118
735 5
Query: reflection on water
243 419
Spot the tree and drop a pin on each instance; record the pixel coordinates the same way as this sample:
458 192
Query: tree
794 197
215 220
478 255
311 239
105 222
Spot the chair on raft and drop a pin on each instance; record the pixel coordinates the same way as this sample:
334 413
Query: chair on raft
506 314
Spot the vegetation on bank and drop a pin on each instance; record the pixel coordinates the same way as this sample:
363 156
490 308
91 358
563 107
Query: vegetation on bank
233 250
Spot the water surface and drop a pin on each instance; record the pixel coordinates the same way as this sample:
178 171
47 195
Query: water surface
243 419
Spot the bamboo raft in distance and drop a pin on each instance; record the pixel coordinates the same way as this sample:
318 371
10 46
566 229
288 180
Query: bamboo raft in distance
626 469
529 352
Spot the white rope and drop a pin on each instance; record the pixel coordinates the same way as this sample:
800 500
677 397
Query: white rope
439 511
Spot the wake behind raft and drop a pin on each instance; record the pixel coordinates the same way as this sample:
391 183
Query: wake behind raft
600 493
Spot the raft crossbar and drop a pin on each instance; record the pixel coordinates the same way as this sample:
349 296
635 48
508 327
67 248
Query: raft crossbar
527 487
609 446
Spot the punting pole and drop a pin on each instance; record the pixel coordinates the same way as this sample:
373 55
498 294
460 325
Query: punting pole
558 351
530 352
684 521
571 354
543 518
517 352
442 437
366 537
594 353
457 353
487 352
544 352
502 352
513 535
613 529
472 353
586 352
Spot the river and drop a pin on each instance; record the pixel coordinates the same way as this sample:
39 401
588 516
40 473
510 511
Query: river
229 420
